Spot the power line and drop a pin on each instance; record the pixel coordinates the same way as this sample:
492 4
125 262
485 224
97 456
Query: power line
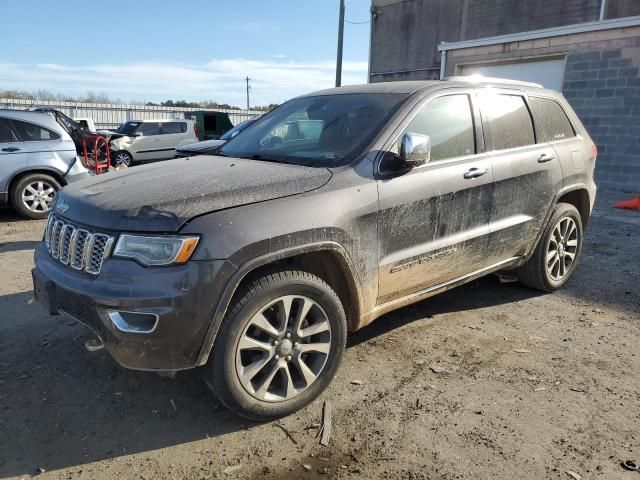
356 23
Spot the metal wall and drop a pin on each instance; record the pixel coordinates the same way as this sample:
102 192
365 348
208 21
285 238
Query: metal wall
110 115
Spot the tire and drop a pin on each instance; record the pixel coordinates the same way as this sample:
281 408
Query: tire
31 196
120 158
545 271
236 371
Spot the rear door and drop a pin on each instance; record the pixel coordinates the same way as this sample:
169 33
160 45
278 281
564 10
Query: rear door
13 155
172 135
434 219
526 171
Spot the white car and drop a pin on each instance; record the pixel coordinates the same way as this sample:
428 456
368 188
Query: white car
139 140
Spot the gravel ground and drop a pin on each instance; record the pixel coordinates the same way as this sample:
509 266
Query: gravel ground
490 380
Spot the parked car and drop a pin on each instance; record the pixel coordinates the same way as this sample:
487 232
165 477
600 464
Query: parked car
210 147
138 140
257 265
37 158
87 123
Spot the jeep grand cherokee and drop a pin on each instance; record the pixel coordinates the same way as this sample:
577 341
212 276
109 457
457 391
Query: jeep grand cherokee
256 263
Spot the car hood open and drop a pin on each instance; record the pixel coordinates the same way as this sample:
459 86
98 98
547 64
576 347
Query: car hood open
161 197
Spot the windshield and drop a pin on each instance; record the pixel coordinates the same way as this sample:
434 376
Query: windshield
229 134
322 131
127 128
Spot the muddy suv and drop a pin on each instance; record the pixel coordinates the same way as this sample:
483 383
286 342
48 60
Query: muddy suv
256 263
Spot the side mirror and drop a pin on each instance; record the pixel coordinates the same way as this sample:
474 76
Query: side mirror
415 149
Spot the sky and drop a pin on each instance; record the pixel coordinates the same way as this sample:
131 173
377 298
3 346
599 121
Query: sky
193 50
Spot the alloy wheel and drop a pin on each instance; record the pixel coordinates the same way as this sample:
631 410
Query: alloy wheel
283 348
123 158
562 248
37 196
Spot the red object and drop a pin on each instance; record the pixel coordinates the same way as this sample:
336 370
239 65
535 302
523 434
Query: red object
632 204
92 160
594 151
195 129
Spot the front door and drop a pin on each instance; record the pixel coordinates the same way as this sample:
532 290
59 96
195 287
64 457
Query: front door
147 146
434 219
526 172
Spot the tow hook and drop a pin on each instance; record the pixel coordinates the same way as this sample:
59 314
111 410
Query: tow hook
93 345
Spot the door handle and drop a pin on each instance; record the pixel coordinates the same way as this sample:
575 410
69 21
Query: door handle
475 172
545 157
10 149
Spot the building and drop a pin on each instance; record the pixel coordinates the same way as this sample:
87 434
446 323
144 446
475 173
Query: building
588 49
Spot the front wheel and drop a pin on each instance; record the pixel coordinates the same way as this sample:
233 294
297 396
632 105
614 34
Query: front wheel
121 159
555 258
279 347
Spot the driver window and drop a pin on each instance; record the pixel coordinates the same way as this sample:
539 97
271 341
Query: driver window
448 121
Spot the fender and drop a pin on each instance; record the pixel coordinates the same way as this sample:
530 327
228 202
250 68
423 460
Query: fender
57 174
561 193
243 270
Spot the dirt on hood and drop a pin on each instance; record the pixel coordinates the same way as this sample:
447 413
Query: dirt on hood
161 197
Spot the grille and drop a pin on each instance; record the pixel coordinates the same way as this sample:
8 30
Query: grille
75 246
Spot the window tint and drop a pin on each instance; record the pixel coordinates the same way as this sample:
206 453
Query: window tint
29 132
509 121
6 134
554 121
174 127
150 128
449 123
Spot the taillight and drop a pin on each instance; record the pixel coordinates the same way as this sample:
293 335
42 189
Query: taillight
195 130
594 151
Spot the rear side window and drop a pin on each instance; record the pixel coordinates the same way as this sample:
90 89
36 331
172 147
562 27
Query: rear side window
30 132
6 134
150 128
174 127
554 121
509 120
448 122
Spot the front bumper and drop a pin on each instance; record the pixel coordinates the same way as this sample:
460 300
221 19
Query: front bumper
183 298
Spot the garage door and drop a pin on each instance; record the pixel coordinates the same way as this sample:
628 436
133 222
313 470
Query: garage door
549 73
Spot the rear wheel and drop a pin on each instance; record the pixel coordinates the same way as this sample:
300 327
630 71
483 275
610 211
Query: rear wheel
32 195
556 256
279 347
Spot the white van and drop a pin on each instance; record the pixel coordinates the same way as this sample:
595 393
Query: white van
139 140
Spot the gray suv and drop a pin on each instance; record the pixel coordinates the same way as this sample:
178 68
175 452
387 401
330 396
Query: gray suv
37 158
256 263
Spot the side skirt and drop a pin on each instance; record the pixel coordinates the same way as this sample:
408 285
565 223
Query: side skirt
387 307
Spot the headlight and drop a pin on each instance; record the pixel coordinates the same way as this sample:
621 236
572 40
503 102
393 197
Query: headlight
156 250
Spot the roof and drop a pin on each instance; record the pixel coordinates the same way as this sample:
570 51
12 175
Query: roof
40 118
413 86
407 87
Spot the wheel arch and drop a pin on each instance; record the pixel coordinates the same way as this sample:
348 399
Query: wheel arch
327 260
59 177
579 198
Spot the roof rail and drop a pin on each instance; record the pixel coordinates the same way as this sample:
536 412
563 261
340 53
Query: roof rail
475 78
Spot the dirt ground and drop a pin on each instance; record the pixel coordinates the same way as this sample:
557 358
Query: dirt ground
530 386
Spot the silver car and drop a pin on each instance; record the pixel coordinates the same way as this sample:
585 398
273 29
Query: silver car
37 158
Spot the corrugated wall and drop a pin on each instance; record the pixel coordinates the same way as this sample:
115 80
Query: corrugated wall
110 115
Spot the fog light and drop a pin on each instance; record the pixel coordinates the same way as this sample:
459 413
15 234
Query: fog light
133 322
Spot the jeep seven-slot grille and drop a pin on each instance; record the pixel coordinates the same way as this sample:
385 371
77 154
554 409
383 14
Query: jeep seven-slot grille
75 246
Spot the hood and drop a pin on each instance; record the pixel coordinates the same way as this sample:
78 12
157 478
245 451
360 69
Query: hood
200 146
161 197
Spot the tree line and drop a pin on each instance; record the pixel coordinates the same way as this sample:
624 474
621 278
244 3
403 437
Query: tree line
92 97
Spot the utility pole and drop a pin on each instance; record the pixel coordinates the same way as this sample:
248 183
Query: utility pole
248 88
340 39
